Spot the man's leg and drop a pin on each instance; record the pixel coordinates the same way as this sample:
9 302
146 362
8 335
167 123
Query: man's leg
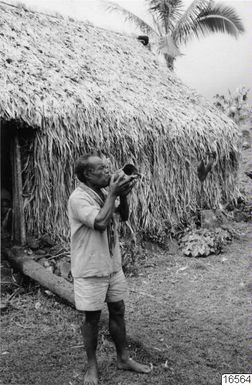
118 333
89 332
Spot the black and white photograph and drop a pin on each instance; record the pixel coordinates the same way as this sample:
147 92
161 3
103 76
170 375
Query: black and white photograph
126 196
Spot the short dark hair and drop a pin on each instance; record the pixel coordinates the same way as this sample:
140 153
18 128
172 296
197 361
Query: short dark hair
82 166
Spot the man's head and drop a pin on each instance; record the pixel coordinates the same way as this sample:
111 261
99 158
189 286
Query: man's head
92 170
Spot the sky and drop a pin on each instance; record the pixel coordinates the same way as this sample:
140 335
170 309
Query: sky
213 64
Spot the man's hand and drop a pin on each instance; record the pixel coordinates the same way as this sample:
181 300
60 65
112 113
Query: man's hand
122 184
129 188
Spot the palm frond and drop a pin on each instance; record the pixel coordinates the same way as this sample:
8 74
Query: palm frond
221 18
130 17
167 12
188 20
157 25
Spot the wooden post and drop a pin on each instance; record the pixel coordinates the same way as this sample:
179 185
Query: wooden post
19 234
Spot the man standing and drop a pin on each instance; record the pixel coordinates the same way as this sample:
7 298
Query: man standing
96 259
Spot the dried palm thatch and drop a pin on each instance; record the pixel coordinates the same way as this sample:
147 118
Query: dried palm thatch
83 88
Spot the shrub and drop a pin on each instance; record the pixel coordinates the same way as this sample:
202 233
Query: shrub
235 105
203 242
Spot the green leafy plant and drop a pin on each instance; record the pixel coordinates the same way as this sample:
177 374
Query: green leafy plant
235 105
203 242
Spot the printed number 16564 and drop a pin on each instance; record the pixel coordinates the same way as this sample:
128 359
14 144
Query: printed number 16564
238 379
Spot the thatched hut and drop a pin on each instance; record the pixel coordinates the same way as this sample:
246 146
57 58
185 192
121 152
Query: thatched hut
68 87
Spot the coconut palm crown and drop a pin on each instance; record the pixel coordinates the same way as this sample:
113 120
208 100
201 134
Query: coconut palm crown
172 26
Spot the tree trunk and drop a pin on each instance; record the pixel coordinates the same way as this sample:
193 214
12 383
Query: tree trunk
169 61
34 270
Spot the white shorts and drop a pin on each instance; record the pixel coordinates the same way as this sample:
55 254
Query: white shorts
90 293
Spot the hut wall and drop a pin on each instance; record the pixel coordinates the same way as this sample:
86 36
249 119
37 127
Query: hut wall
164 200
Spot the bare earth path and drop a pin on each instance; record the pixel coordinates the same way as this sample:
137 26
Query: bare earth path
190 318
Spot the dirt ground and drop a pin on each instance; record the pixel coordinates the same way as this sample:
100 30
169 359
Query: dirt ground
190 318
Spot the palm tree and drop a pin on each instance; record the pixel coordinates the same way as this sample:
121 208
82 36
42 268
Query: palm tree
171 26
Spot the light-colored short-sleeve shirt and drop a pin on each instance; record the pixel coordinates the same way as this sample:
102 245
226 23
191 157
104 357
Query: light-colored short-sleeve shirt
90 255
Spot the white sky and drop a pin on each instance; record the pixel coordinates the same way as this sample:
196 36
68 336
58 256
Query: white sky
211 65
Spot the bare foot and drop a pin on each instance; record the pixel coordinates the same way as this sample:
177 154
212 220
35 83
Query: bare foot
130 364
91 376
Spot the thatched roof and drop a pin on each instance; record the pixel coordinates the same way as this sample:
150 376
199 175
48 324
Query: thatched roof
86 88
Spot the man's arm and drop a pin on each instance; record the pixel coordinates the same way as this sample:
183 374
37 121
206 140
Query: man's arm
123 208
103 217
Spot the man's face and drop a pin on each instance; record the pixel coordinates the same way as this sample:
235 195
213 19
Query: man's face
98 173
